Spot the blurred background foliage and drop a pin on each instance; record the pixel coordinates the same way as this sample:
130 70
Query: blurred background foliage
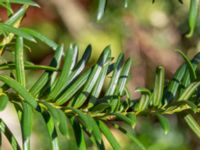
148 33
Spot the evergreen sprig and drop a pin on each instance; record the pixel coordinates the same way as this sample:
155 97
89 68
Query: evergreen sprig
71 100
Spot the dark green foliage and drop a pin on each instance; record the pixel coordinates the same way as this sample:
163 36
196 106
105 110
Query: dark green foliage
71 100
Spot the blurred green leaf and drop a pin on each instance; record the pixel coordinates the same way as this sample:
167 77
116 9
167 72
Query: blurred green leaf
143 91
132 118
69 62
126 3
3 101
20 89
98 108
115 76
189 64
17 15
95 130
123 77
193 124
79 134
9 29
19 61
163 122
193 12
11 66
158 86
27 2
143 103
62 122
109 136
132 137
187 93
98 87
9 135
84 119
41 37
101 9
125 119
51 129
174 84
26 125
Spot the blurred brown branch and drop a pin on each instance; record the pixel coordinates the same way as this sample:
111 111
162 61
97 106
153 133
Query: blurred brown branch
73 15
